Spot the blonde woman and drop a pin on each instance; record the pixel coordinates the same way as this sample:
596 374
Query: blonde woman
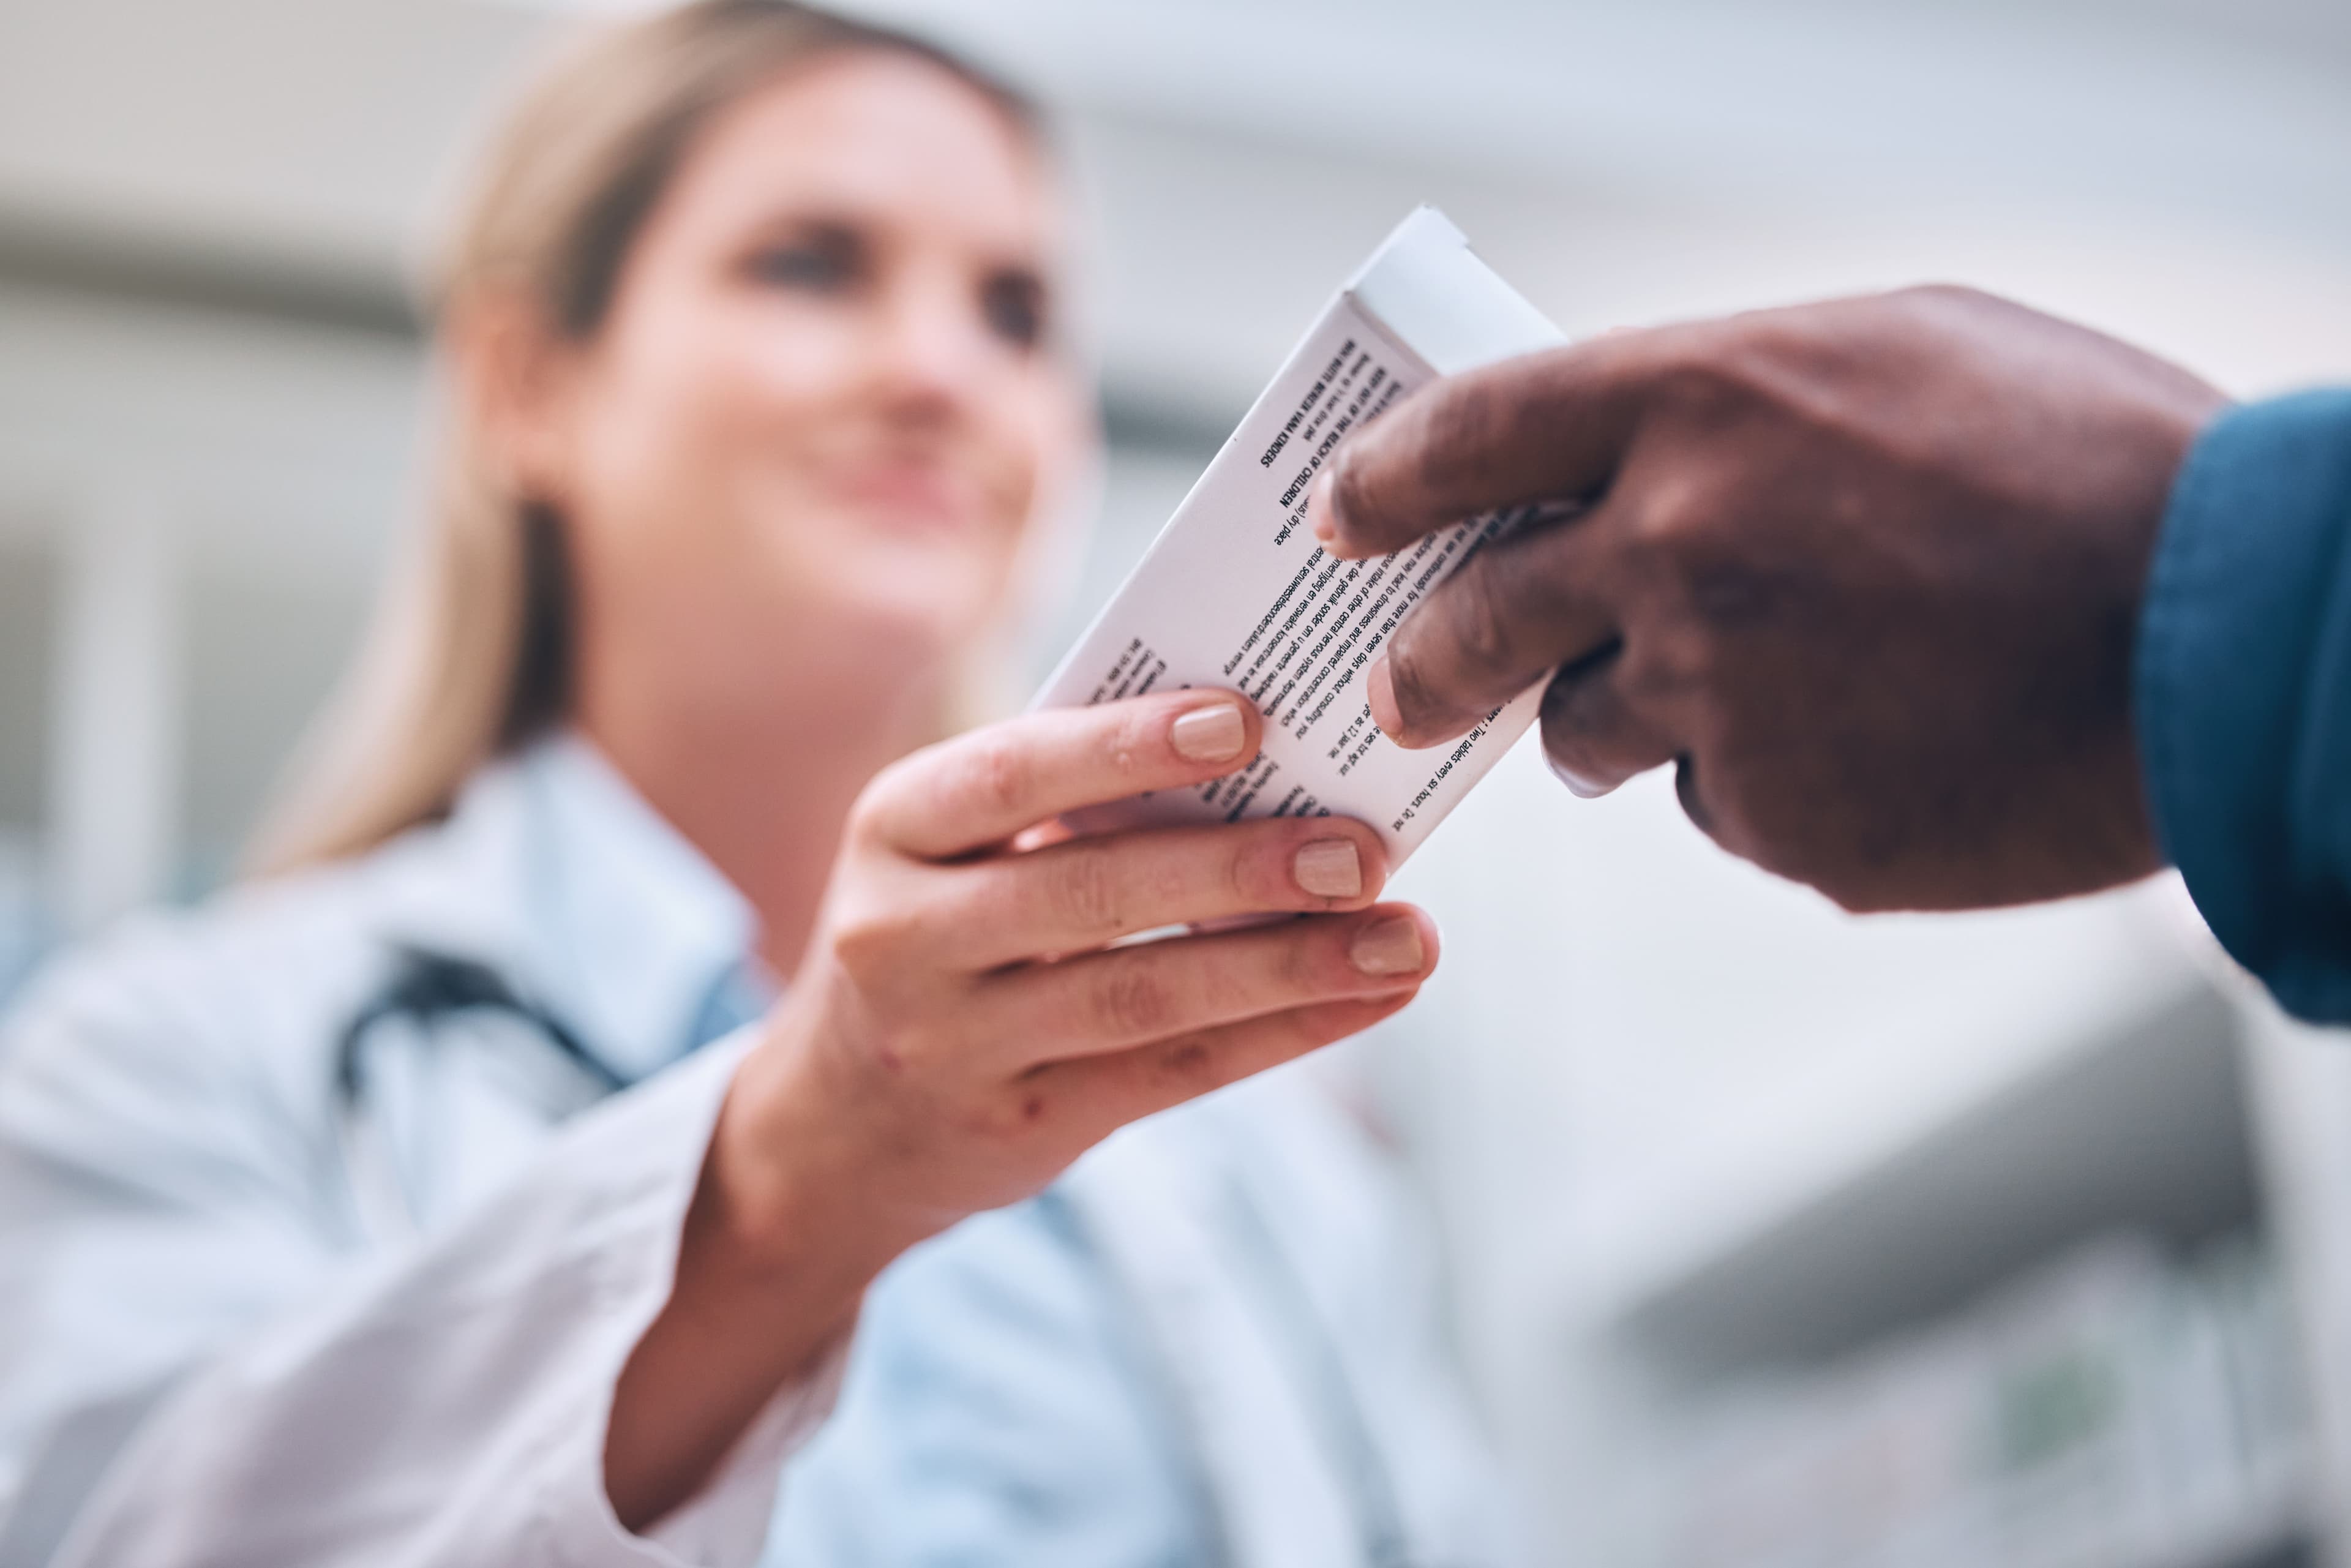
421 1201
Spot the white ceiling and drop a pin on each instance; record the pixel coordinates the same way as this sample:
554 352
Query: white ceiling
2243 108
1244 152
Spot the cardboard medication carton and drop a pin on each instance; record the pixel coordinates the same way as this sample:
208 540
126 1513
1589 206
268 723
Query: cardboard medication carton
1235 592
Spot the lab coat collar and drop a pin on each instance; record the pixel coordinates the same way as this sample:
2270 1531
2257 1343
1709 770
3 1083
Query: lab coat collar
563 878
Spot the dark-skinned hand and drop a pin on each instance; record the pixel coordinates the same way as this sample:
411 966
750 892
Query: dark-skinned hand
1866 573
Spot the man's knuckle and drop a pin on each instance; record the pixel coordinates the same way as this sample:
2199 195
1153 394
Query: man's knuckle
1456 427
1485 622
1696 394
1705 376
1660 529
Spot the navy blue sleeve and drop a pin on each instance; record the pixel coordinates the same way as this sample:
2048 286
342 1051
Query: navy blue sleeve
2243 700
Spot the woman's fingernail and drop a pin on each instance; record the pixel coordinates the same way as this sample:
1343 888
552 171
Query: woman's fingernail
1209 733
1322 506
1329 868
1390 947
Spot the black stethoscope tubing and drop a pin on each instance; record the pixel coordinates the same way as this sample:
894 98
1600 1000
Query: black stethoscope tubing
426 988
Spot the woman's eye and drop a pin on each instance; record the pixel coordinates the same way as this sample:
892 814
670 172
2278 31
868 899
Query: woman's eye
1013 307
821 262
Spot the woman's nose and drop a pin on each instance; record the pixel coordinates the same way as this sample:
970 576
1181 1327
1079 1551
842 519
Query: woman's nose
934 354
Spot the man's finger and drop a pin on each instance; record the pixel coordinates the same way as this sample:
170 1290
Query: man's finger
1594 739
1544 426
1519 607
979 789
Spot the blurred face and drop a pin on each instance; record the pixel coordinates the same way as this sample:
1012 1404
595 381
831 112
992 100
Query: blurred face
826 402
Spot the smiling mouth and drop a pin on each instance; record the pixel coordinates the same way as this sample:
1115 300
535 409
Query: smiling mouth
913 497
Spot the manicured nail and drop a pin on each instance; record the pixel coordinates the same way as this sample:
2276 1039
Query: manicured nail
1322 506
1390 947
1329 868
1214 733
1577 784
1379 690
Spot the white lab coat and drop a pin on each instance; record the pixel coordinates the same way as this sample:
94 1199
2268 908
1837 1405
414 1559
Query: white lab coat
222 1339
210 1355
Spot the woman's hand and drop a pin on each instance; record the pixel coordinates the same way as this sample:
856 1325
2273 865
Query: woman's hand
958 1032
962 1028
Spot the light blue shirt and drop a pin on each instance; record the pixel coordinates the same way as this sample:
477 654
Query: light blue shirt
1215 1341
1001 1408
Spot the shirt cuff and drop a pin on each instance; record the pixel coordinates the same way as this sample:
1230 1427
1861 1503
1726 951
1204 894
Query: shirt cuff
726 1524
2237 668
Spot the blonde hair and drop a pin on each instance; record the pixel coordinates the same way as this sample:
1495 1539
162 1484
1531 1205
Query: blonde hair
469 653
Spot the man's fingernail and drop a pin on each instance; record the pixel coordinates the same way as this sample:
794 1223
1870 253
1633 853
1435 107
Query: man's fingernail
1390 947
1379 690
1214 733
1329 868
1577 784
1322 506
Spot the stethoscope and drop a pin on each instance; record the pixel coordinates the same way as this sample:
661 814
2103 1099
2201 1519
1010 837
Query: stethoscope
426 988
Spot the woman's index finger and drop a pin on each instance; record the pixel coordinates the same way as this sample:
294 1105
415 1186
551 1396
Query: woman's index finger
981 788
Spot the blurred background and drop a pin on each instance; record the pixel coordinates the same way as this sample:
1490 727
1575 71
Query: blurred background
1772 1236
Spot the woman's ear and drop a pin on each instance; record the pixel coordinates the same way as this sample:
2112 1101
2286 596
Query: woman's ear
513 376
